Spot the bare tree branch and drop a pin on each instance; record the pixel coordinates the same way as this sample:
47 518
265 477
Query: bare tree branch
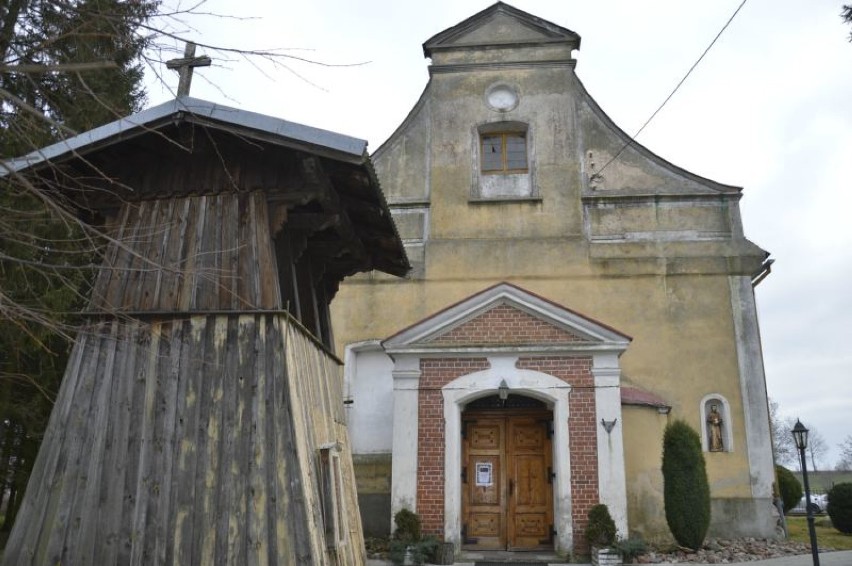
58 67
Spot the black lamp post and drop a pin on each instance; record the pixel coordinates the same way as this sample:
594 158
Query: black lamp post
800 435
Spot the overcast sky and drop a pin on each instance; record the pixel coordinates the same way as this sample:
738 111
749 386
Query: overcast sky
769 109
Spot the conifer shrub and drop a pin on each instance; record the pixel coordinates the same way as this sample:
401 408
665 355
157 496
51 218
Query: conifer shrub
600 531
686 492
407 526
840 507
788 487
407 540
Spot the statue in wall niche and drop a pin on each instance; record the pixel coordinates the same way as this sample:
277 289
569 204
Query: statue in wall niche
714 426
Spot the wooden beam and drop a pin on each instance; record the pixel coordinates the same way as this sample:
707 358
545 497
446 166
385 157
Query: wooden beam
315 177
364 210
312 222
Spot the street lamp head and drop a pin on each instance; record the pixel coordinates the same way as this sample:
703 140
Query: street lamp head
800 435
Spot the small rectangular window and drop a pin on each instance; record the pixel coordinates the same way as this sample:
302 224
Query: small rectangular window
331 497
504 153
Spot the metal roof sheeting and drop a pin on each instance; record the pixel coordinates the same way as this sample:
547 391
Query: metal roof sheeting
193 109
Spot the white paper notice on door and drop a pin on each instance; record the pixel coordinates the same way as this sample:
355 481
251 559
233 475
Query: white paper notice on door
484 477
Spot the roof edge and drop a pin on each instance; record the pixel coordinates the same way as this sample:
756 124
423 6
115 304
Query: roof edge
156 116
647 153
434 42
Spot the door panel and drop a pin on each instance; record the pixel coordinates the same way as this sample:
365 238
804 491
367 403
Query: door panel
530 502
507 500
484 499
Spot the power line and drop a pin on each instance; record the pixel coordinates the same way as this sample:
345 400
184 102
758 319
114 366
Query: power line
672 93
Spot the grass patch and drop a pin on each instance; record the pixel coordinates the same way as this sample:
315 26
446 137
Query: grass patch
827 536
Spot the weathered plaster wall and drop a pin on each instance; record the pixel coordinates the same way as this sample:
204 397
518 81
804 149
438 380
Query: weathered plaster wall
643 461
373 475
370 415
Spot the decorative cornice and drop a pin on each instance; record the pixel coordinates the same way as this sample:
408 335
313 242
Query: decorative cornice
629 197
464 67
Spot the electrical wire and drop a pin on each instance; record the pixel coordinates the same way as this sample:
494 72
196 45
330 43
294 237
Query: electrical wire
672 93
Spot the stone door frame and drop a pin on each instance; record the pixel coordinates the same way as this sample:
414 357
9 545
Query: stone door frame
546 388
508 454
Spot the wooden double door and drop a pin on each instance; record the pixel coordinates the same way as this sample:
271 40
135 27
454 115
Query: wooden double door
507 480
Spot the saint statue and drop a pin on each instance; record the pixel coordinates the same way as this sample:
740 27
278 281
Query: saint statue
714 426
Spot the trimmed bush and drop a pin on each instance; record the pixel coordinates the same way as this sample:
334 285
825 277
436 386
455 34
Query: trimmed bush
686 492
407 526
407 540
840 507
788 487
600 531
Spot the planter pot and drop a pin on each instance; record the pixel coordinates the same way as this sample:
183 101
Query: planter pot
605 557
445 553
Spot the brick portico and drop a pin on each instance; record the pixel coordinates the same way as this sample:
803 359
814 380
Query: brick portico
540 350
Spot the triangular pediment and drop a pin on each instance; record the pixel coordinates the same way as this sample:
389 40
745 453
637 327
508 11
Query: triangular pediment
500 24
506 323
506 316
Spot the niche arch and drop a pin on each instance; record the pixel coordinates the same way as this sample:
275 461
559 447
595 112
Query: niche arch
724 409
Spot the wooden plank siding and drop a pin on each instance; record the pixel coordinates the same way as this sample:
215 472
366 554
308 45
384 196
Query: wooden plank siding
202 253
190 419
190 441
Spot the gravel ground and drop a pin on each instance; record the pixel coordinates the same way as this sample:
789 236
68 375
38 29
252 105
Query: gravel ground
715 551
719 551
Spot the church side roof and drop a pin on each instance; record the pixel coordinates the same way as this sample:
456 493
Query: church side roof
642 398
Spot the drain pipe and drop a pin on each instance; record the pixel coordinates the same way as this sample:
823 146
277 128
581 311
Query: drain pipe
765 270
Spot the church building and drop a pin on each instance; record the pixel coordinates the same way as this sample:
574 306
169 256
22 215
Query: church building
571 294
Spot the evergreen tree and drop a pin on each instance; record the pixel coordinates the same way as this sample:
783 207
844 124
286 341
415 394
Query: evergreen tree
686 492
840 507
68 66
789 488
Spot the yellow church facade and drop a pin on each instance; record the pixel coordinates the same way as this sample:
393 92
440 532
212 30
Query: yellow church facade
571 294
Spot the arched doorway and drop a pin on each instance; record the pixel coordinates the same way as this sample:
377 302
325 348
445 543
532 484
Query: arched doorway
507 474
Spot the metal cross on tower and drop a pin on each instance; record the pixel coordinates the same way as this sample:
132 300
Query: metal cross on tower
185 65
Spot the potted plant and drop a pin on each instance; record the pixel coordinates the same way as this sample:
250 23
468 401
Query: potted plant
600 533
408 547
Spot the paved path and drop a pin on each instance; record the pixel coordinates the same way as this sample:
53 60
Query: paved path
843 558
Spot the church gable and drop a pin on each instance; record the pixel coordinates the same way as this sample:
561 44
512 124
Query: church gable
503 26
506 324
500 25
